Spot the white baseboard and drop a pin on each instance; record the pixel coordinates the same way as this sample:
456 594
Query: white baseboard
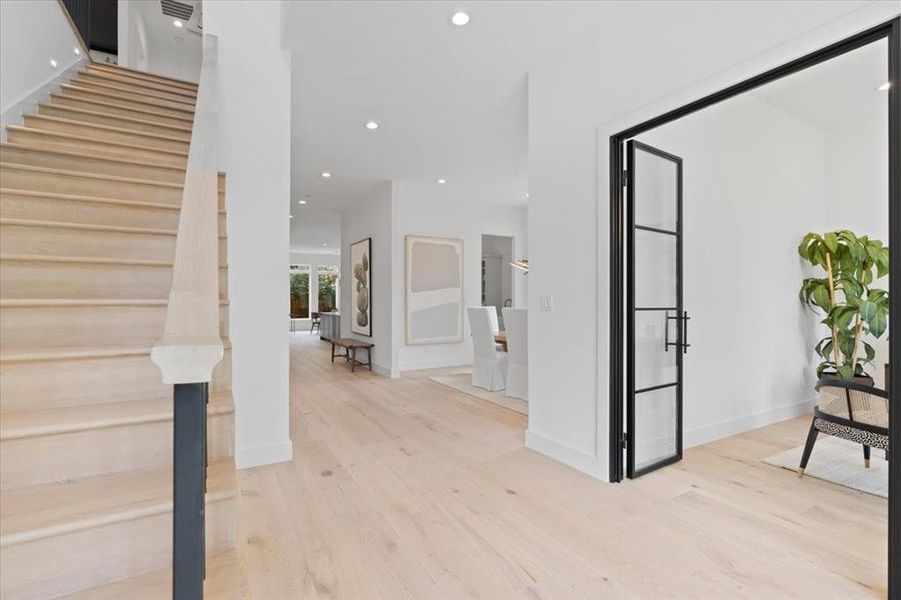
569 456
723 429
27 104
257 456
439 363
386 371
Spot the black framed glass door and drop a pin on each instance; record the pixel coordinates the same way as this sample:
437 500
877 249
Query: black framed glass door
656 320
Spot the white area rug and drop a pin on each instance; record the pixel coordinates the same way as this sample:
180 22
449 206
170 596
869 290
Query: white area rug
462 382
841 462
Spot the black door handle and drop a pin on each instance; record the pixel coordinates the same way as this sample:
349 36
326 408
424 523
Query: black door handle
685 344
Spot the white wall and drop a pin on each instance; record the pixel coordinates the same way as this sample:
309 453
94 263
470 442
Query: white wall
372 218
577 100
31 34
147 42
314 261
754 182
856 189
255 151
427 209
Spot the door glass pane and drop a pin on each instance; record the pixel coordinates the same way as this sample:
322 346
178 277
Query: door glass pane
655 426
655 269
654 365
656 184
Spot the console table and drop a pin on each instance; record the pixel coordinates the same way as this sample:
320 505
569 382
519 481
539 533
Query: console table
330 325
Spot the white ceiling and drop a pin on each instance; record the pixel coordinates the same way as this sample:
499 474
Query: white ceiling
452 102
311 228
839 93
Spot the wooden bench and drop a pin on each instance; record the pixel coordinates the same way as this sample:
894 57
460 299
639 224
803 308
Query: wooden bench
350 352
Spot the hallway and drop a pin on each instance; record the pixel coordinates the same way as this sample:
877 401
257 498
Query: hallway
406 488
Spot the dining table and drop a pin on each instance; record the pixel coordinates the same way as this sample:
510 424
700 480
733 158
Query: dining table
501 338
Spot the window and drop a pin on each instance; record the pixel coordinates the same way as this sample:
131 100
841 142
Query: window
300 291
328 288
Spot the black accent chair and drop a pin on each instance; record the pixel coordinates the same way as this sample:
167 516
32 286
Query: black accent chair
851 411
315 321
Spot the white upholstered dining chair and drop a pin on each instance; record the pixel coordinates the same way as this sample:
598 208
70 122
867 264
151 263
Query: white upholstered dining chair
489 368
516 326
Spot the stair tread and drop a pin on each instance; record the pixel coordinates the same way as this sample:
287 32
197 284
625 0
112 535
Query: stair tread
17 424
80 111
83 138
127 72
188 96
41 512
81 154
184 107
223 582
86 226
29 302
52 171
88 260
109 103
79 352
100 199
138 132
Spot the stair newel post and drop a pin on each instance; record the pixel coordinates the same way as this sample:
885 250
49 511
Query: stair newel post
189 487
191 344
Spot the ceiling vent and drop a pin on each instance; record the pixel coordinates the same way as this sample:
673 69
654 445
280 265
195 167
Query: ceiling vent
179 10
188 11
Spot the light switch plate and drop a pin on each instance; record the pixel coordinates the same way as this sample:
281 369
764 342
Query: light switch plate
546 303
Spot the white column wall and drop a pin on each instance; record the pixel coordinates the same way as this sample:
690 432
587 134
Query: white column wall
255 152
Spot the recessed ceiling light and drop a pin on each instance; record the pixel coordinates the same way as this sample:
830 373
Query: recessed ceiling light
442 181
526 195
290 216
372 125
460 19
177 23
884 86
77 51
301 201
325 244
326 174
53 63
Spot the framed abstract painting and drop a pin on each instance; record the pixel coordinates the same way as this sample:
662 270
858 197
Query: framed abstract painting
361 287
434 287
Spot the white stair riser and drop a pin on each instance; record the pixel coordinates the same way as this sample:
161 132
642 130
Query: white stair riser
37 327
61 383
83 559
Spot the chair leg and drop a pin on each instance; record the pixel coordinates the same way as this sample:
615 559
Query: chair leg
866 456
808 447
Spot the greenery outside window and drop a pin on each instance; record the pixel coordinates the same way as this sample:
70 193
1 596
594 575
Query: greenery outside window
328 288
300 291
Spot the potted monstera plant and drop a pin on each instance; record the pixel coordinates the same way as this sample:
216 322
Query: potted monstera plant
853 307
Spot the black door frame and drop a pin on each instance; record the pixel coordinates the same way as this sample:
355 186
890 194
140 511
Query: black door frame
890 31
679 346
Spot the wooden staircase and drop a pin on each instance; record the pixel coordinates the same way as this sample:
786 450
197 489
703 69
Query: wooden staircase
90 189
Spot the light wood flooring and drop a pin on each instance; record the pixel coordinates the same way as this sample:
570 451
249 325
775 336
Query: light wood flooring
408 489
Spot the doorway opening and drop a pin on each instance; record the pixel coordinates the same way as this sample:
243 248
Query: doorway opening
497 274
649 387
